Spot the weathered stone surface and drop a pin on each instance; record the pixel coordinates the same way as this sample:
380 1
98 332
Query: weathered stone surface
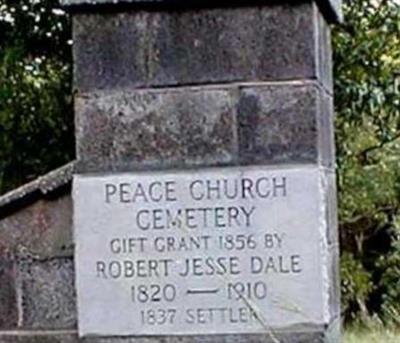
164 48
292 212
38 337
333 332
334 285
326 139
301 336
332 7
284 123
40 230
291 336
324 46
289 122
156 128
331 208
278 124
8 301
38 188
47 294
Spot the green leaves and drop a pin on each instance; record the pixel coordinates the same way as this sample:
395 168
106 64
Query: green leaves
356 286
36 118
367 79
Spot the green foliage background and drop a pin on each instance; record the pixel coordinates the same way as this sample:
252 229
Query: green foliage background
36 118
367 80
36 131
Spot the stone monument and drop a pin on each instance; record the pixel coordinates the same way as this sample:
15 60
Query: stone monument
204 187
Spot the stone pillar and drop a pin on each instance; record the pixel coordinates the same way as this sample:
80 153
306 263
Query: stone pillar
182 85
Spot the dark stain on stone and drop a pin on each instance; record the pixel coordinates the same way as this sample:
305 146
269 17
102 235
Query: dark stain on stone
248 121
8 298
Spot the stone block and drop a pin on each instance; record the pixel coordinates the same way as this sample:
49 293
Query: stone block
8 300
334 332
288 122
274 337
324 46
40 230
314 336
326 139
38 337
195 46
331 208
156 129
284 123
47 294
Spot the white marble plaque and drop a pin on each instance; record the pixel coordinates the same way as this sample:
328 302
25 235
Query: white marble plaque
212 251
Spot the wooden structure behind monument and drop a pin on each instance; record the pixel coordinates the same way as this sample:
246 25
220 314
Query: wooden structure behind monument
204 192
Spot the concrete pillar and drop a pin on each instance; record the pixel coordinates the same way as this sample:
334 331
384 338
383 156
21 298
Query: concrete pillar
162 85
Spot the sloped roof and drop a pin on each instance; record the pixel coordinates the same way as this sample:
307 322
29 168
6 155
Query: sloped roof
43 185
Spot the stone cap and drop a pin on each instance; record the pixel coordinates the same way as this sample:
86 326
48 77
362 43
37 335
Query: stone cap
41 186
331 8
